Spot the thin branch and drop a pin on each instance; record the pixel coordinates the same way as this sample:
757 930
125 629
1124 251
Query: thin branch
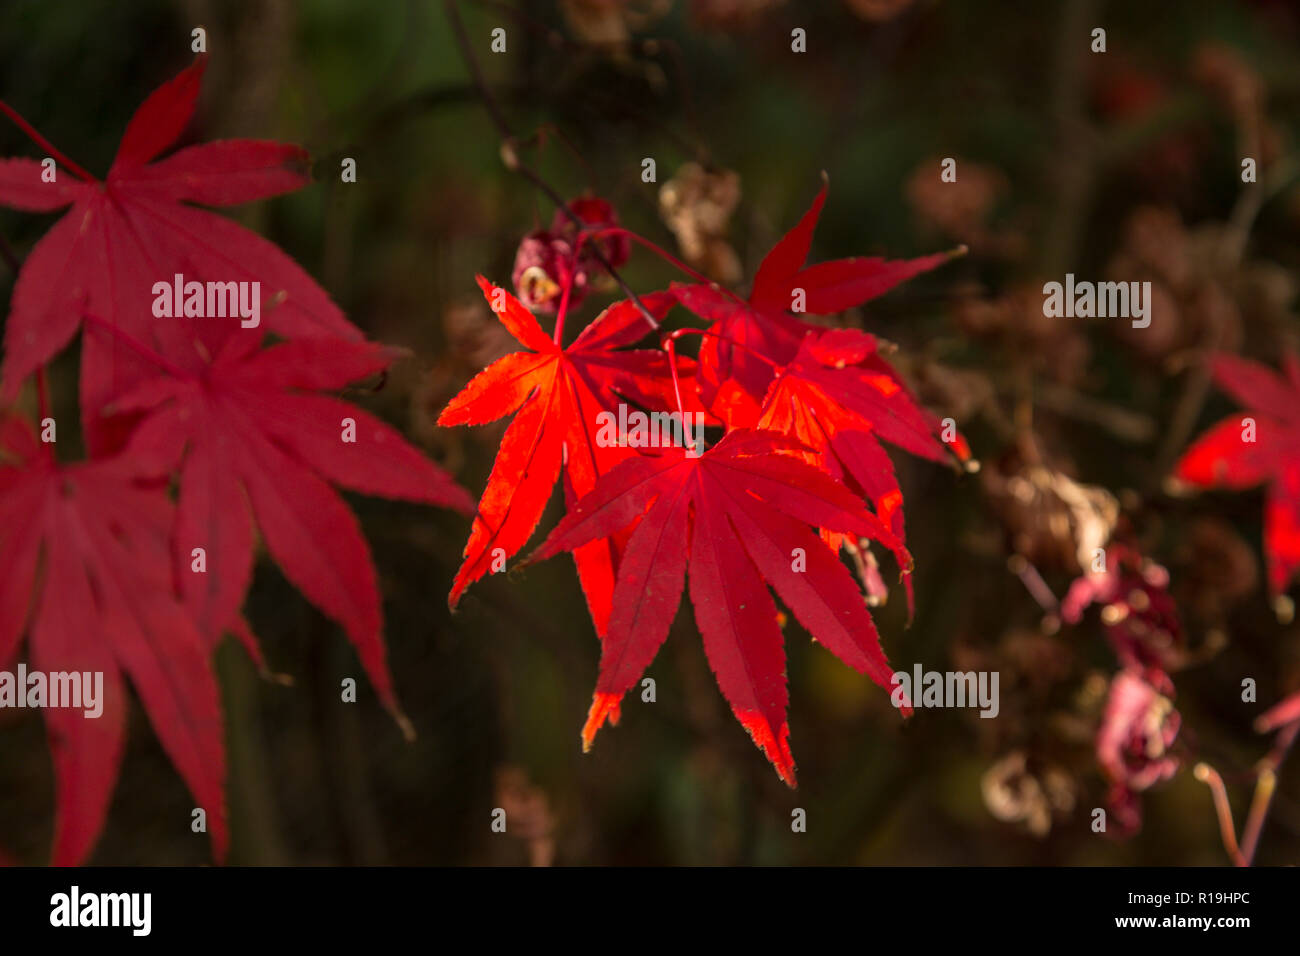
1123 424
672 337
648 47
667 257
1222 809
510 155
1265 787
44 143
416 104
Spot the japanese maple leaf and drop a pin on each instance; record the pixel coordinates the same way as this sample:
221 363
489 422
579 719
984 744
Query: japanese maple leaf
734 379
86 575
557 394
737 515
134 228
838 397
1232 454
256 444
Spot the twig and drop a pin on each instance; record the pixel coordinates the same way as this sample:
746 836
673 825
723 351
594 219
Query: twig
1250 202
44 143
419 102
1197 389
1192 400
510 156
649 47
1033 581
1123 424
1223 810
1265 787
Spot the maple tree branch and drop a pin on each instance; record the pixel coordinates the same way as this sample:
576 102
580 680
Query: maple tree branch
510 156
417 103
648 47
538 136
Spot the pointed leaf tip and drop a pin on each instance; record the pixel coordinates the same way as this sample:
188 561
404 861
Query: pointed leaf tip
603 706
774 744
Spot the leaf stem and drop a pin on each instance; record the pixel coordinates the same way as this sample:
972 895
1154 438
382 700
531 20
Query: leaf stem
667 257
510 156
138 347
1265 787
44 143
674 336
670 346
1222 809
569 270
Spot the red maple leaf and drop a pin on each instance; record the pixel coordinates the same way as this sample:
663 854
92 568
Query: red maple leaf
733 378
255 444
840 398
133 229
557 394
738 515
1235 454
86 574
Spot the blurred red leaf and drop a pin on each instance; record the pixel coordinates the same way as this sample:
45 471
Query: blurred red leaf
1233 454
86 574
254 443
135 228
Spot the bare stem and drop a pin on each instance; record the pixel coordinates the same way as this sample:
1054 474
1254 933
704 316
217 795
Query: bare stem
44 143
671 347
1223 810
1265 787
510 156
672 337
564 296
666 256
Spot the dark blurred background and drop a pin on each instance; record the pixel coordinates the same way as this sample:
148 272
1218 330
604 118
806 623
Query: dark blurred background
1118 165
